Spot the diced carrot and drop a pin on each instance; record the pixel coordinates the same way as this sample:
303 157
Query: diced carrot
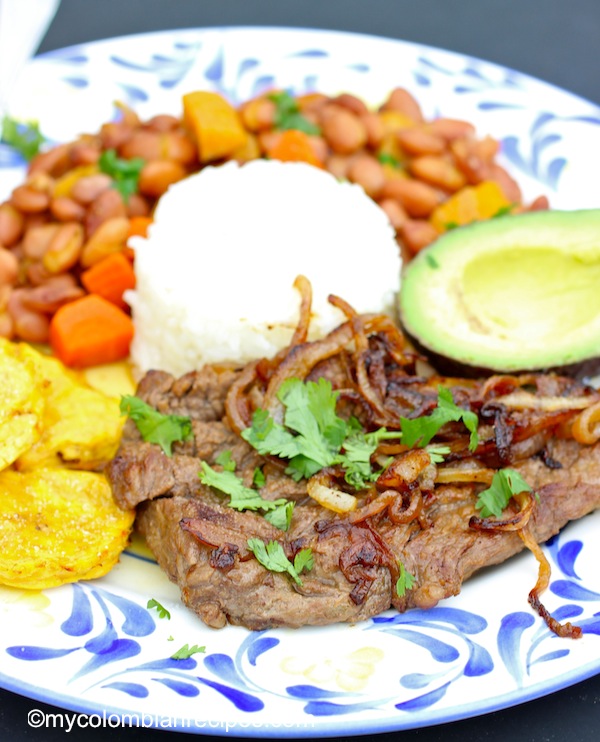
110 278
138 226
294 146
90 331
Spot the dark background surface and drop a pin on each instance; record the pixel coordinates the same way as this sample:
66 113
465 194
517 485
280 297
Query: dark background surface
555 40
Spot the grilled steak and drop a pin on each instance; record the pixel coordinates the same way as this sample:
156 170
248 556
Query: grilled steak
202 544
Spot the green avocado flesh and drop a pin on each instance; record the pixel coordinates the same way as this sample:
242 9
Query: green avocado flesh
510 294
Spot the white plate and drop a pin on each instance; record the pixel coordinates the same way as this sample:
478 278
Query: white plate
94 647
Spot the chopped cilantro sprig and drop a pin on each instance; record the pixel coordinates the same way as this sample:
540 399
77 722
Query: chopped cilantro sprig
420 430
23 136
125 174
505 484
240 496
313 436
155 427
272 556
160 609
185 652
405 581
288 115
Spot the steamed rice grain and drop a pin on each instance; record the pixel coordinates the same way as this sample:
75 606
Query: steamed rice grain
215 274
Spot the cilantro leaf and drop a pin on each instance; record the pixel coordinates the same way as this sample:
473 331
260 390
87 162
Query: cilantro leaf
185 652
258 478
431 261
386 158
153 425
304 561
161 610
503 211
224 459
451 225
240 496
310 413
124 173
289 116
272 556
24 136
437 453
313 436
356 457
281 516
404 582
505 484
269 437
420 430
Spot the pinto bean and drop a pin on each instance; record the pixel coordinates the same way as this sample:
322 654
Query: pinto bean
66 209
375 129
89 187
540 203
401 100
179 147
312 102
64 249
338 165
9 267
108 205
509 185
35 220
474 157
258 114
31 326
156 176
29 199
36 274
368 172
114 134
343 130
352 103
437 172
50 296
6 325
86 152
163 122
38 239
268 139
319 147
55 161
417 234
109 237
154 145
418 199
416 140
450 129
138 205
395 213
12 224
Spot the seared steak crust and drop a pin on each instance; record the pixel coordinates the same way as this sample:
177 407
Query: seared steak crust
202 544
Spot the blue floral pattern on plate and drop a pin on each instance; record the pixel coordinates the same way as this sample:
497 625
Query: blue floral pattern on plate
96 646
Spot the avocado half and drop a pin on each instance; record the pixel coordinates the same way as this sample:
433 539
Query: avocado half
514 293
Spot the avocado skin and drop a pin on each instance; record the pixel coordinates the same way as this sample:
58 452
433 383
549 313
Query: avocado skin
446 366
565 222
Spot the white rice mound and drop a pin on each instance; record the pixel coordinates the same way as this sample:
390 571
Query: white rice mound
215 274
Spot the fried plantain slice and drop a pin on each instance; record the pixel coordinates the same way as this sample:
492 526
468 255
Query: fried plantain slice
21 404
81 427
58 526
